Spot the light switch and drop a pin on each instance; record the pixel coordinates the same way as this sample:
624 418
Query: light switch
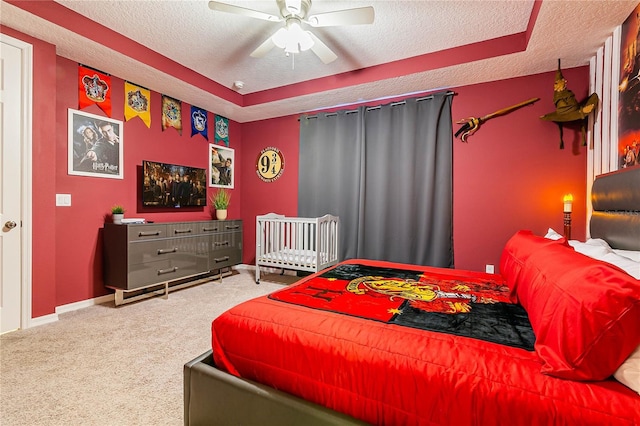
63 200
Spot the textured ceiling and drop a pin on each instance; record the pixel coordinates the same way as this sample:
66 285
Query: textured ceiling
412 46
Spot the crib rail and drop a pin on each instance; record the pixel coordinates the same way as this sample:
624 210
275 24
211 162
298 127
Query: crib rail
304 244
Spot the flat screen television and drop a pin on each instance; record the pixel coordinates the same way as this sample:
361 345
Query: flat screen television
173 186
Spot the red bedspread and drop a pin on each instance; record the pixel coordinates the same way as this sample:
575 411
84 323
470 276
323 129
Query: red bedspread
392 375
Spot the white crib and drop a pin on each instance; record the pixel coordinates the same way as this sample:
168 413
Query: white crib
302 244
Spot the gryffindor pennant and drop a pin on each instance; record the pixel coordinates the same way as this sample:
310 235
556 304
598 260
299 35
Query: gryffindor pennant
470 305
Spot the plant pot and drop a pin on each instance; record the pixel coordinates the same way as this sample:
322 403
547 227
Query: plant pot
221 214
117 218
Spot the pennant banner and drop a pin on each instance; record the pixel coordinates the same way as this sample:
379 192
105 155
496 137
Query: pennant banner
171 113
137 102
199 124
222 130
94 87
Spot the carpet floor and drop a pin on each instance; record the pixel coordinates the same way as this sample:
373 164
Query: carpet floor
108 365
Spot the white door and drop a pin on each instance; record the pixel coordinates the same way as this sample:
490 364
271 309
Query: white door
11 138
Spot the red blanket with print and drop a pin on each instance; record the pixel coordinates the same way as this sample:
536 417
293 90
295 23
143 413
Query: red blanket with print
390 374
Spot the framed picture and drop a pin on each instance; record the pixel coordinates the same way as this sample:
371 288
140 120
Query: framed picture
629 93
221 166
94 145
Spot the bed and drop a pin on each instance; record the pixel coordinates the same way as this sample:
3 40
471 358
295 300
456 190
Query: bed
388 343
296 243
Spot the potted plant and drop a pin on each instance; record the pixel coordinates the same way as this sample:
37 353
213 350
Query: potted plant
117 212
220 200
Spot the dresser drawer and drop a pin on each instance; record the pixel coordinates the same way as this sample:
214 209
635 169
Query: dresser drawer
225 240
224 258
211 227
231 225
146 232
182 229
149 251
144 274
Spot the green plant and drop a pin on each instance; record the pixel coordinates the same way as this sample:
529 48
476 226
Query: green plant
220 199
117 209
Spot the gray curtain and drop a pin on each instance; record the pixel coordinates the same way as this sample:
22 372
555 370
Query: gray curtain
387 173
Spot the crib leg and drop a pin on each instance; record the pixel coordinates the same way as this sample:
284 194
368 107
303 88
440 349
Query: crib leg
257 274
282 273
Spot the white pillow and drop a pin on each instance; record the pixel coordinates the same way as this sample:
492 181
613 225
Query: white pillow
633 255
552 235
599 249
629 372
592 248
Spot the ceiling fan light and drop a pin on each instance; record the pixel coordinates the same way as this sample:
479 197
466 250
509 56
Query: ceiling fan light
306 42
280 38
292 46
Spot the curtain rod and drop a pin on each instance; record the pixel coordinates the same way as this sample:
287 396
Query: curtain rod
331 114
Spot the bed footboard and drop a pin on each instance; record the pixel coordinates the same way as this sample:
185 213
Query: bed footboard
213 397
302 244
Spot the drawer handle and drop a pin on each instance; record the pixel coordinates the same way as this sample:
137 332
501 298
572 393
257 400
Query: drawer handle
222 259
209 229
224 243
232 227
182 231
148 234
167 271
165 251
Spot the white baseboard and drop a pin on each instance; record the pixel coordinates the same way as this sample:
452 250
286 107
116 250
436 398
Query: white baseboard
45 319
245 266
70 307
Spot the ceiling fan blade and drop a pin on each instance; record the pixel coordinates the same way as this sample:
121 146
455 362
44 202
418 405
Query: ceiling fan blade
264 48
323 52
357 16
229 8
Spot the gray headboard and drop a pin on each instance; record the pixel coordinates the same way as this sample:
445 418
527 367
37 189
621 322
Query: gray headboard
615 198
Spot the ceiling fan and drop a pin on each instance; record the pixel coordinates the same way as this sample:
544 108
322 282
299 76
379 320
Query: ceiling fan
292 38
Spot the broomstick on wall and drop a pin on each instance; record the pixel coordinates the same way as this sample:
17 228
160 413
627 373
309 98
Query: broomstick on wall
472 124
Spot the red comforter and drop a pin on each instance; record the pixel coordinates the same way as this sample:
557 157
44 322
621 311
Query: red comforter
393 375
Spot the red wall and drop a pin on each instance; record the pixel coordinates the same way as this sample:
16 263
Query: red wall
509 176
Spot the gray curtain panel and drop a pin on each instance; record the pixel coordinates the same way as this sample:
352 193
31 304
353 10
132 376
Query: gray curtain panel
387 173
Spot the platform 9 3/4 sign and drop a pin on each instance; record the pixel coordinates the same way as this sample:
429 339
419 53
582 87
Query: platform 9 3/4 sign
270 164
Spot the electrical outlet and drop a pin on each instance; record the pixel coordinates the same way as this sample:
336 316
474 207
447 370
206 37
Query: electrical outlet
490 269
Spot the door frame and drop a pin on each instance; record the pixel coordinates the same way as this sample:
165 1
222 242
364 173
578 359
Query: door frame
26 178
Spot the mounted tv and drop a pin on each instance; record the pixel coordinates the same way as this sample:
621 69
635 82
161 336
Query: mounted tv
173 186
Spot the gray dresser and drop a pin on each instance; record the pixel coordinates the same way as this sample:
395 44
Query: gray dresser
137 256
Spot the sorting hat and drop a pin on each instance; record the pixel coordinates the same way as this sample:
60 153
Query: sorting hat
568 109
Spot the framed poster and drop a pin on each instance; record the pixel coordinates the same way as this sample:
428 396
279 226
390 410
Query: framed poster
221 166
94 145
629 92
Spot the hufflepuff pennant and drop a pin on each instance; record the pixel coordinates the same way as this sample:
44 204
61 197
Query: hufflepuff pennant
137 102
199 123
222 129
94 87
171 113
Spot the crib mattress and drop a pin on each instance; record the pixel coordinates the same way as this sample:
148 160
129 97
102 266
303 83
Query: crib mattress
291 257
